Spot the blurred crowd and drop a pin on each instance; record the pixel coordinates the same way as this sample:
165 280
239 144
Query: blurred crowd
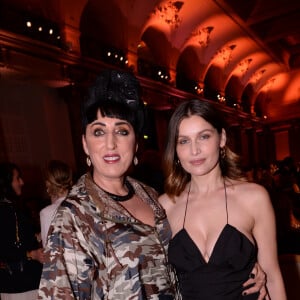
282 180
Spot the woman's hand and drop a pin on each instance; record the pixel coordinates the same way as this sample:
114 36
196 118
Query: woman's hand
257 281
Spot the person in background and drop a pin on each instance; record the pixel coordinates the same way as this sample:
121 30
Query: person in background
109 237
21 256
221 223
58 183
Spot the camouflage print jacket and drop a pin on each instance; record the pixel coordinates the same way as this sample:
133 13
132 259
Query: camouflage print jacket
97 250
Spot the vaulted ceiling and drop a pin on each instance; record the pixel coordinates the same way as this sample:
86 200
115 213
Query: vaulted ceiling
246 52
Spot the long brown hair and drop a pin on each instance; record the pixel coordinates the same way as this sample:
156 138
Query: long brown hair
176 177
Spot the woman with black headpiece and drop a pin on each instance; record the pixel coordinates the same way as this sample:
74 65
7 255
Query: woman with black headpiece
109 237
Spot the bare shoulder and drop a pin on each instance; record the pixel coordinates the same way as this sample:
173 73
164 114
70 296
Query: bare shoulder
249 186
251 191
165 201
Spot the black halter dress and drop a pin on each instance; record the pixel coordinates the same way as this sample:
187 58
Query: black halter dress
222 277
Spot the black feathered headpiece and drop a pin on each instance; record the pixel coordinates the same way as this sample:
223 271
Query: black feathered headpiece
117 94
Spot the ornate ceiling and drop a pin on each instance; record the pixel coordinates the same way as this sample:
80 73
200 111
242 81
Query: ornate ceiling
246 53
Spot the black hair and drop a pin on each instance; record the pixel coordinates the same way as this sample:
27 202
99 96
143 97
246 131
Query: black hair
6 178
116 94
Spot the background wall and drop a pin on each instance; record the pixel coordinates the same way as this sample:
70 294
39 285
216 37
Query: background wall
34 128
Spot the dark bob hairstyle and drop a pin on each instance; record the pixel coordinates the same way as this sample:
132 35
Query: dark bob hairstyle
116 94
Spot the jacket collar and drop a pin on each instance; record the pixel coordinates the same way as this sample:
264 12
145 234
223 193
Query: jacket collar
114 211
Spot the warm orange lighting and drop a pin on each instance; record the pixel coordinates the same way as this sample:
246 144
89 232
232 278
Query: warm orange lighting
225 54
169 12
244 65
203 35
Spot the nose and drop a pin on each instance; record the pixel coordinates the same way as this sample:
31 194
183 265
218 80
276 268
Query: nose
195 149
111 141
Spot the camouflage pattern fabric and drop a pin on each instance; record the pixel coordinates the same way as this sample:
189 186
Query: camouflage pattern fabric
97 250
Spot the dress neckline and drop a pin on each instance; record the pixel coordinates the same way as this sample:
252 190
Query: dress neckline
221 232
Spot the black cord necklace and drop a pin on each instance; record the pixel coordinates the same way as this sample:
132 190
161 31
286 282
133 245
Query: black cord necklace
119 198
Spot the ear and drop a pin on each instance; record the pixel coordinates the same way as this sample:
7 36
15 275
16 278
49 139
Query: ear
84 145
223 138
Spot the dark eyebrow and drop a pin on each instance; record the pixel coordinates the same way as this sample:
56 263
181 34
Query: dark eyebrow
117 123
201 132
122 123
98 123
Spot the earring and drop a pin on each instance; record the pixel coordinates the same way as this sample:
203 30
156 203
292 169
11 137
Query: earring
88 161
135 161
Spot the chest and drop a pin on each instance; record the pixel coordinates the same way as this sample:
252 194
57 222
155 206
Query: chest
205 220
140 210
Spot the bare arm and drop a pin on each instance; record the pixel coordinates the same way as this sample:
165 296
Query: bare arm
264 232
